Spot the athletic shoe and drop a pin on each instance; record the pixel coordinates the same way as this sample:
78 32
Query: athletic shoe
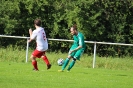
35 69
49 66
68 70
60 71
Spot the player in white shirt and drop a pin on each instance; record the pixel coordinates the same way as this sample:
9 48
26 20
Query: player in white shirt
41 44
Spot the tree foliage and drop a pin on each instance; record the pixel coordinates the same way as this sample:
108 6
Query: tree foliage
99 20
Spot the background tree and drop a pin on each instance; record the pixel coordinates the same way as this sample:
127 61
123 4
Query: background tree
99 20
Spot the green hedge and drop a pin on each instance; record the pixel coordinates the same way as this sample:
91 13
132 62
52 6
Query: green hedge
99 20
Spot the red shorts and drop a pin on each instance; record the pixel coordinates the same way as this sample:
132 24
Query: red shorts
37 53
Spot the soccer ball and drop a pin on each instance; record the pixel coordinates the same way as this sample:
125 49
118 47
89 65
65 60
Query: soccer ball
60 61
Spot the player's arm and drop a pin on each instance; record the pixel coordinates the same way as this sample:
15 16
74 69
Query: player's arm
31 35
77 48
30 32
80 45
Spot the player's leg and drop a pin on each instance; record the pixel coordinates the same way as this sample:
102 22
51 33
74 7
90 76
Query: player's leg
66 62
76 57
71 64
34 63
35 54
45 59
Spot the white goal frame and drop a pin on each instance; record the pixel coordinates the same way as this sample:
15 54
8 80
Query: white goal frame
94 42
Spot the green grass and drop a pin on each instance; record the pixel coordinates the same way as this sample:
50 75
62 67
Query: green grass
15 55
108 72
20 75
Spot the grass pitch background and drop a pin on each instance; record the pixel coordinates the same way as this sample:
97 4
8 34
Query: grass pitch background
108 72
20 75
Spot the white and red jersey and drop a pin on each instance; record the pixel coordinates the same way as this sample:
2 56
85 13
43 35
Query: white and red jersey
41 40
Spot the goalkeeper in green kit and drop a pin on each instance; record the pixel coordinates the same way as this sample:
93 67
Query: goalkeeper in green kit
76 49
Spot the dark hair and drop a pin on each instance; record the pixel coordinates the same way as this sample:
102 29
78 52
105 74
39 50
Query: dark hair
74 27
37 22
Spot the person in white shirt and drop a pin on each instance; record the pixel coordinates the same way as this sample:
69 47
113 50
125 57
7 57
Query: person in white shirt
41 44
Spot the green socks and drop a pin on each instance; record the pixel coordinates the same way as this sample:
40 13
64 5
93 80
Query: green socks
65 63
71 65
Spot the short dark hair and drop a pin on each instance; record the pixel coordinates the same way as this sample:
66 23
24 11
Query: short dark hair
37 22
74 27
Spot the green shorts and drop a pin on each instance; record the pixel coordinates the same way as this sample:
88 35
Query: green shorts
77 53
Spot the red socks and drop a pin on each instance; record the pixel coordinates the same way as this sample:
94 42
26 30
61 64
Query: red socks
45 59
34 63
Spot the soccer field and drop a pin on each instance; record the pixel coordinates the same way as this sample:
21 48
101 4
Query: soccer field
20 75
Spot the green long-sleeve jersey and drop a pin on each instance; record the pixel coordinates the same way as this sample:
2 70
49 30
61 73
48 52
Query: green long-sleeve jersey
78 41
